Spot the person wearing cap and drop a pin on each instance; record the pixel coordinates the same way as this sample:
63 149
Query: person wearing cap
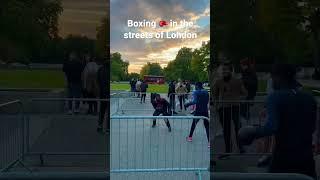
201 99
291 119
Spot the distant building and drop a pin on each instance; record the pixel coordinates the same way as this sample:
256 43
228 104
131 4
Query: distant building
151 79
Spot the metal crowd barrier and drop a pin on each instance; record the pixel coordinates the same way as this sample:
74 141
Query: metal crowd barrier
50 129
229 117
176 98
137 147
245 113
12 134
41 127
128 104
105 176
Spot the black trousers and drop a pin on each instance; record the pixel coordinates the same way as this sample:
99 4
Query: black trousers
103 109
172 98
93 105
181 101
143 97
164 113
226 115
205 123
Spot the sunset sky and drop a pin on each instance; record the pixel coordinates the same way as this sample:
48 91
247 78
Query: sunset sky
82 16
140 51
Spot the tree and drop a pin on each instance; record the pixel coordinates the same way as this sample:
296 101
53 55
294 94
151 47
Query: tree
265 30
133 76
103 38
119 68
180 67
200 62
35 20
151 69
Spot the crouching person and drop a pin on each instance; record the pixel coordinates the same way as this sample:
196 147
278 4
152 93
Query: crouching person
161 106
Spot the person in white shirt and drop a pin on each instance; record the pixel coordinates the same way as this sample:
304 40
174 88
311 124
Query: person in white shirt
90 84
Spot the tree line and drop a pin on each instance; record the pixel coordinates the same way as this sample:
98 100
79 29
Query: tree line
267 31
29 33
188 64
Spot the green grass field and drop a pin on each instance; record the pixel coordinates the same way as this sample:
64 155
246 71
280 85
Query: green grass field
152 87
54 79
50 79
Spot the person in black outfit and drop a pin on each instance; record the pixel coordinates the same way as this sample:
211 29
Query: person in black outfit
161 106
291 119
172 96
188 86
250 82
73 72
143 87
103 84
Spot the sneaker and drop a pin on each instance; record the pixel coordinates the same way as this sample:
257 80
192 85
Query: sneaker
169 129
209 145
189 139
69 112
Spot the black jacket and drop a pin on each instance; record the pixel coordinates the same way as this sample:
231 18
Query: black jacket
172 89
250 82
103 81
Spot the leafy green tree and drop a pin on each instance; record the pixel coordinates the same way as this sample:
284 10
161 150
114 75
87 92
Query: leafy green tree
26 25
151 69
200 62
133 76
119 68
103 38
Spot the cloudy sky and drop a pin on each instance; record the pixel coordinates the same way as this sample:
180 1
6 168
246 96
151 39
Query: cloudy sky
82 16
140 51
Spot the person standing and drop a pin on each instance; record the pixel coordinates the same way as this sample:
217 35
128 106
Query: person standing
228 89
143 89
188 86
133 85
291 118
181 91
86 59
73 72
138 87
90 84
250 82
200 98
172 96
161 106
103 84
249 78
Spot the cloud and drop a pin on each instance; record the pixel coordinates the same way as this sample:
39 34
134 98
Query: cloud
81 17
140 51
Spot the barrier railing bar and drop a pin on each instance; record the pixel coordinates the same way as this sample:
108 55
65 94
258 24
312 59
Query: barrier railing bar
158 170
9 103
159 117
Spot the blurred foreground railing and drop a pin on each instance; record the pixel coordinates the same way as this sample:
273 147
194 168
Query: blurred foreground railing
12 134
105 176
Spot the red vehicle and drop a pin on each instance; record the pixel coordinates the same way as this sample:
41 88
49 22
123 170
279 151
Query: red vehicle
150 79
